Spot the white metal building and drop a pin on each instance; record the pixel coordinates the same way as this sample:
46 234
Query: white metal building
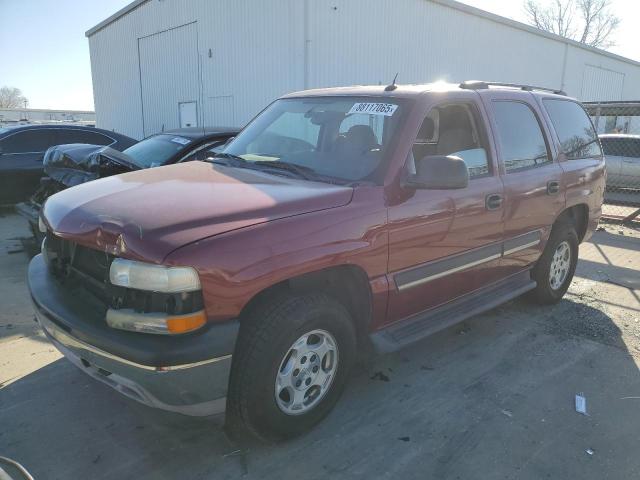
10 116
160 64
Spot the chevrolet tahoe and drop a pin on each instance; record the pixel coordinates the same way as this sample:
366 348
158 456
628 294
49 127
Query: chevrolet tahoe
338 219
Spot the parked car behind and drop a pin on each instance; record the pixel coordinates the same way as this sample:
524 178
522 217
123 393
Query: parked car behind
337 219
622 156
69 165
22 148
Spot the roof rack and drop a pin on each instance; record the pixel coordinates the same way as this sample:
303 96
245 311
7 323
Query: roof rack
482 85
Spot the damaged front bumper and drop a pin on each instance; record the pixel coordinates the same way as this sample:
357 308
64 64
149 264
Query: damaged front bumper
158 373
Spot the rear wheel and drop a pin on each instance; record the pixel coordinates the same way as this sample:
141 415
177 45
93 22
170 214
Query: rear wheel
291 363
555 268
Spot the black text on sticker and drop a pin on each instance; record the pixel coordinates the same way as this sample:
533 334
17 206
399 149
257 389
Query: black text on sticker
385 109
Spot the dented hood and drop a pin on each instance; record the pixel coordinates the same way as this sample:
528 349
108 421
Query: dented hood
78 163
149 213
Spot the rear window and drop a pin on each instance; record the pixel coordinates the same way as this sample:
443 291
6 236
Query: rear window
577 137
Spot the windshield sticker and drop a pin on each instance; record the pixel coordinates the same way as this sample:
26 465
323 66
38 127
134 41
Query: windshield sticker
181 140
386 109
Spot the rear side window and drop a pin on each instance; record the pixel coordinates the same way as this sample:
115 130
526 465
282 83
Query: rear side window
521 140
29 141
621 147
577 137
63 137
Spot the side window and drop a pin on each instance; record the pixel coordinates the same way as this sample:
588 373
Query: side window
633 148
521 139
454 129
63 137
577 137
29 141
613 147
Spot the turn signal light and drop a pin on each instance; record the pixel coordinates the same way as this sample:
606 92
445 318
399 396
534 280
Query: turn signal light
186 323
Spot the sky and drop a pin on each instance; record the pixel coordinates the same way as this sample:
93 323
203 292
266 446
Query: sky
44 52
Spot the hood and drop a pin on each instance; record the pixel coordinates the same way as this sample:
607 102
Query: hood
149 213
78 163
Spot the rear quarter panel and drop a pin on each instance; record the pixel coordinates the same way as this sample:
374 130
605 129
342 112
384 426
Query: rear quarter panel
583 179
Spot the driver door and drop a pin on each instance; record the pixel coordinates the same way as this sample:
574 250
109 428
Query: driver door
446 243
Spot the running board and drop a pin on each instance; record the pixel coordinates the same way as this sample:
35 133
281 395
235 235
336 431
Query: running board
427 323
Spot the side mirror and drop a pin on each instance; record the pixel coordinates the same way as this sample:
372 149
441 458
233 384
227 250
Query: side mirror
439 172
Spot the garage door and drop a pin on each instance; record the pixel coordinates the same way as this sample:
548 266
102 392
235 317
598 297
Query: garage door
601 84
170 79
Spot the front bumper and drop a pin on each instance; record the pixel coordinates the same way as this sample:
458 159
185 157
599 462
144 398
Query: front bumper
159 372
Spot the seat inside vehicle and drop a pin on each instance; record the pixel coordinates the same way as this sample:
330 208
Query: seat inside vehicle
450 130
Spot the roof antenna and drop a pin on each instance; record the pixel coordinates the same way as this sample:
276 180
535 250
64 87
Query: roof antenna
393 86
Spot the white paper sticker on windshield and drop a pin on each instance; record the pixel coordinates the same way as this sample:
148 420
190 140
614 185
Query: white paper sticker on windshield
181 140
385 109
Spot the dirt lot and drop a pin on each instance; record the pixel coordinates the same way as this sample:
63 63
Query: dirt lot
491 398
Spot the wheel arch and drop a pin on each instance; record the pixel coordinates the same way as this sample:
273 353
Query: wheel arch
348 284
578 216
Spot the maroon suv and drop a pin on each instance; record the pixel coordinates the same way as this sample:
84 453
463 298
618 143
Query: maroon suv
336 219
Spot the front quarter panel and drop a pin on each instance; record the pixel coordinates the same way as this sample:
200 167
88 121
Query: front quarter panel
237 265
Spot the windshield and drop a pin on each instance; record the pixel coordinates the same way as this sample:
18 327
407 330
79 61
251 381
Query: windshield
157 150
345 138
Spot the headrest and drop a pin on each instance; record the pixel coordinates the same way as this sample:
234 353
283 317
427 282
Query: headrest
426 131
362 136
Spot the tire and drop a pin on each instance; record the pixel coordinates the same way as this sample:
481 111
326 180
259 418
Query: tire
548 290
266 337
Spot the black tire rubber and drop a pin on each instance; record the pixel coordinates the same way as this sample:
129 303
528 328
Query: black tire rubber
265 337
543 294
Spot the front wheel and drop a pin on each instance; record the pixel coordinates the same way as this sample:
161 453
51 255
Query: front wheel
555 268
291 363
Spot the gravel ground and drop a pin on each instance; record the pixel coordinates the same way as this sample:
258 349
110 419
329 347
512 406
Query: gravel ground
490 398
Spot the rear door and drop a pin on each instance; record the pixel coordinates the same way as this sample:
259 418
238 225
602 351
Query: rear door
21 163
613 148
446 243
630 171
531 175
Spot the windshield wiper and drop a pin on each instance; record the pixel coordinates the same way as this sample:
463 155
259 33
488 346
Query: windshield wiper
300 171
230 160
306 173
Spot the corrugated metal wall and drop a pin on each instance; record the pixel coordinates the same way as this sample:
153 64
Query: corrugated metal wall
249 53
169 75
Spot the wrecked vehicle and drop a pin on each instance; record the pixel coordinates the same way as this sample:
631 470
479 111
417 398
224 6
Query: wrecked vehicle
336 220
69 165
22 148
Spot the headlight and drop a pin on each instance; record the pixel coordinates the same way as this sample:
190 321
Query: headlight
41 225
154 278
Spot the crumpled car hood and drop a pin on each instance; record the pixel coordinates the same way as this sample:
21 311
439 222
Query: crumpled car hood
78 163
149 213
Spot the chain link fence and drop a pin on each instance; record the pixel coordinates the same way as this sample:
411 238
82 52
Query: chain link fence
618 126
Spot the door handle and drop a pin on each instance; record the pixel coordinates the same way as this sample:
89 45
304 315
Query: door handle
553 187
494 201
